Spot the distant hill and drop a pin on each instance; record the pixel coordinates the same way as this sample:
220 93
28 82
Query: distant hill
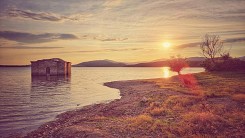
242 58
150 64
164 64
161 59
192 62
195 59
100 63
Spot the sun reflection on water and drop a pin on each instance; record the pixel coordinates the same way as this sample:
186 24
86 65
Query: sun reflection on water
165 72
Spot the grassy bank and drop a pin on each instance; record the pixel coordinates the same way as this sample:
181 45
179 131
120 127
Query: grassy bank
211 104
205 105
206 84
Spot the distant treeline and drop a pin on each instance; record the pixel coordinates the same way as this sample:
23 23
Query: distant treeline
15 65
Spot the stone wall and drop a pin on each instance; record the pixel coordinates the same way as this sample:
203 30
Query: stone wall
61 68
68 66
34 68
39 68
43 65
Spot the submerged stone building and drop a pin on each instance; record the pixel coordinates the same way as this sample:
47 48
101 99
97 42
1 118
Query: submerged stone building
54 66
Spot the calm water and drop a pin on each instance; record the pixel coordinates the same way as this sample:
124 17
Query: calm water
26 103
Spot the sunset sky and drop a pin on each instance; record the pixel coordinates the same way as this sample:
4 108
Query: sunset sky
120 30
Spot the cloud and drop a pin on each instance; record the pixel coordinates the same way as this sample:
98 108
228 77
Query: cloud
187 45
24 37
195 44
46 16
6 42
111 39
103 38
110 50
233 40
27 47
35 38
109 4
230 32
67 36
124 49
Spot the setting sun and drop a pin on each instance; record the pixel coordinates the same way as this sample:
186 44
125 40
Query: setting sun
166 44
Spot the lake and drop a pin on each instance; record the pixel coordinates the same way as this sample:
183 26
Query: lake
27 102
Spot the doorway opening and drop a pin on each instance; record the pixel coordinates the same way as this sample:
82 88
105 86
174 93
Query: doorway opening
48 71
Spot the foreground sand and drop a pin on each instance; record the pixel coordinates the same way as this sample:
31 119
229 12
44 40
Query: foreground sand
147 110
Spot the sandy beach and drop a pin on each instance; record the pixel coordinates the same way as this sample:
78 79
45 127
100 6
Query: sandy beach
148 110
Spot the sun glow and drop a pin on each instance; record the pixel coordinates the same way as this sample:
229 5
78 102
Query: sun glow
165 72
166 44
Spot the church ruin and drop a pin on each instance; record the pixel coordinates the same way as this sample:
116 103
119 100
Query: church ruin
54 66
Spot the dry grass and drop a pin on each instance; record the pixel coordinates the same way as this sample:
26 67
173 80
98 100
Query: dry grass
146 125
200 117
239 97
181 101
235 117
157 111
99 118
143 121
193 115
202 123
206 84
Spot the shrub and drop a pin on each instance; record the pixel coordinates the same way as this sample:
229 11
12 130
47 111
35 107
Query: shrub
224 64
176 64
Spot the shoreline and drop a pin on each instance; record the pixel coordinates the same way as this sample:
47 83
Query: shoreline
140 112
96 110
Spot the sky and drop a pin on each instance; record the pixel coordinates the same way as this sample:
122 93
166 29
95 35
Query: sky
119 30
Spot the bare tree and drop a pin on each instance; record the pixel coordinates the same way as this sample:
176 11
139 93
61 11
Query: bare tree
211 46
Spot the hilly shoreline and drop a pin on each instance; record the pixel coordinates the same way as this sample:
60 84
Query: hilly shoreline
192 62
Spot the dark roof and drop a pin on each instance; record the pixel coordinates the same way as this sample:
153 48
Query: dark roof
52 59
